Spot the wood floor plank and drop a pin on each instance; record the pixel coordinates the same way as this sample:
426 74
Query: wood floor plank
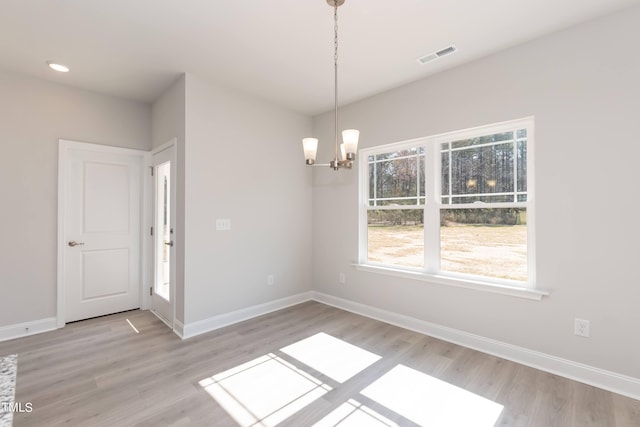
555 401
100 372
626 411
593 407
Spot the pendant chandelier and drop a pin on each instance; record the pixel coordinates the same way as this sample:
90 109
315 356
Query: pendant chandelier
345 153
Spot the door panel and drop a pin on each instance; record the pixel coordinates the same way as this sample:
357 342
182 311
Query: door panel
102 220
106 198
105 273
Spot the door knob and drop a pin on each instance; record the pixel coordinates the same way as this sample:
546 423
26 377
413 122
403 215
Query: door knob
74 243
169 243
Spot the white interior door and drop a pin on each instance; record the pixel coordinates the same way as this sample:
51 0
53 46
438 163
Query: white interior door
163 295
102 198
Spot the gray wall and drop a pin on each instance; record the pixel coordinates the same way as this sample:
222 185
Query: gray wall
243 162
34 114
582 87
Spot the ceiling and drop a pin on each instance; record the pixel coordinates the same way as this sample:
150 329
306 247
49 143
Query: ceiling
281 51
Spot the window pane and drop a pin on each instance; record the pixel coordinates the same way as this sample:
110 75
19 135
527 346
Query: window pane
499 198
445 161
481 170
422 182
397 178
400 153
484 242
522 166
413 201
372 180
396 237
486 139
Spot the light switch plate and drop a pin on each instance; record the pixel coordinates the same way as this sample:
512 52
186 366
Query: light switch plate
223 224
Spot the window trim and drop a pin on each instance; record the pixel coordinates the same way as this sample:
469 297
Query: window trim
479 285
433 205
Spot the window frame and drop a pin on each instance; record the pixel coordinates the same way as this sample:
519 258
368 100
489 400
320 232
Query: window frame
433 205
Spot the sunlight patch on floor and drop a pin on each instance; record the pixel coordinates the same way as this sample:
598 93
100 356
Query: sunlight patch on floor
267 390
331 356
354 414
264 391
132 327
428 401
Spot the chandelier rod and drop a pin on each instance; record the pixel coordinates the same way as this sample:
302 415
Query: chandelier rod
335 72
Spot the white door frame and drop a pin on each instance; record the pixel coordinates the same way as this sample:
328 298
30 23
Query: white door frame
149 209
64 146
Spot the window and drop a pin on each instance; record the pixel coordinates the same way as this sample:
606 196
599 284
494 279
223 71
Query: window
456 206
395 212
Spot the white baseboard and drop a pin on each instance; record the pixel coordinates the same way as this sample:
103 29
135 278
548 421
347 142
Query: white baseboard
178 328
20 330
607 380
207 325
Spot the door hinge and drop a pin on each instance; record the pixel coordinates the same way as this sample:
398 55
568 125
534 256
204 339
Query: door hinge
151 291
151 230
151 168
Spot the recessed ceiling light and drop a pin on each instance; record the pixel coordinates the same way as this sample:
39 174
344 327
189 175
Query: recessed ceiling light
58 67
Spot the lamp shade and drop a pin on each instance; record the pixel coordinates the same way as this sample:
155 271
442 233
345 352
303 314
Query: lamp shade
350 140
343 152
310 147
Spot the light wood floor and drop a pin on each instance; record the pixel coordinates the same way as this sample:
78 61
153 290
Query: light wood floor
100 372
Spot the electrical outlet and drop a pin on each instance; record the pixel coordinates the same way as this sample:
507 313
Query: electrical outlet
270 279
342 279
582 328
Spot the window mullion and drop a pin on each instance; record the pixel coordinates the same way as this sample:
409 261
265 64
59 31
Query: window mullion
418 177
431 210
450 160
515 166
375 184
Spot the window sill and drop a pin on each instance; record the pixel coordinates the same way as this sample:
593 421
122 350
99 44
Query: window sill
515 291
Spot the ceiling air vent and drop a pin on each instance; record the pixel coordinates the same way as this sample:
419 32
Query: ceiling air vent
435 55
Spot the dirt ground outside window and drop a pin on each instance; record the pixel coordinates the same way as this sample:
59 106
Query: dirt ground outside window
498 251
